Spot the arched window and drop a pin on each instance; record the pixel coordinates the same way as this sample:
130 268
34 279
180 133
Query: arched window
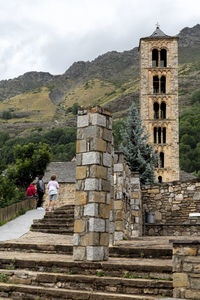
156 163
159 135
155 58
162 163
156 110
155 135
163 84
164 135
163 110
163 58
160 179
155 84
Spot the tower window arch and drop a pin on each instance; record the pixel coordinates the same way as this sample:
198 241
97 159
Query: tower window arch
163 84
164 135
155 135
155 84
159 135
156 110
155 58
163 110
163 58
162 162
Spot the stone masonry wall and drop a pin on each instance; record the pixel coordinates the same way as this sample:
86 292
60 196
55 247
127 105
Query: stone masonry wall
127 200
186 266
66 195
94 150
171 203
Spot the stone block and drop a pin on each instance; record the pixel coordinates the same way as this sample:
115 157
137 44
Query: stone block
154 191
192 294
119 195
79 226
80 146
118 215
79 253
118 204
92 131
118 236
107 160
97 119
78 159
191 251
180 280
111 227
90 239
80 198
179 197
107 135
104 239
98 171
97 197
108 198
81 172
95 253
92 184
91 209
135 195
90 158
118 167
83 121
96 225
119 226
105 185
98 145
104 211
76 239
135 233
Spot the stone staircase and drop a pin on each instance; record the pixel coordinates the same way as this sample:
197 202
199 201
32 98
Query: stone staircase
44 269
61 221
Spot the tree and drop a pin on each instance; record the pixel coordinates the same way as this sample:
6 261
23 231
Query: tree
31 161
139 154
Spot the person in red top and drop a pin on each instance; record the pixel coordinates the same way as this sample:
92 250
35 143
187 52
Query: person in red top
30 192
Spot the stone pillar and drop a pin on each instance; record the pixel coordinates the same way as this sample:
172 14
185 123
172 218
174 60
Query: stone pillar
92 198
186 266
136 205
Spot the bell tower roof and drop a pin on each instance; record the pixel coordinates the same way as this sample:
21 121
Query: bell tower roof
158 32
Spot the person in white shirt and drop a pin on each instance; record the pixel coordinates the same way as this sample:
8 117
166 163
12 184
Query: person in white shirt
53 187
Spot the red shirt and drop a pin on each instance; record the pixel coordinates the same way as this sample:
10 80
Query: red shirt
30 191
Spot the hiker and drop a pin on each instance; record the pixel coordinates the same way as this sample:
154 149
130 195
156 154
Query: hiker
40 192
53 187
31 191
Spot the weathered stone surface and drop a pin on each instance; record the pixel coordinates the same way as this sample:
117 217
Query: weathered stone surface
97 197
91 209
95 253
97 119
91 184
98 171
104 211
79 253
98 145
81 172
79 226
90 158
107 159
104 239
80 146
80 198
83 121
96 225
118 204
118 167
90 239
107 135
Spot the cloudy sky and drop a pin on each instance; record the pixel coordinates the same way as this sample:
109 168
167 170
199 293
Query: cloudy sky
49 35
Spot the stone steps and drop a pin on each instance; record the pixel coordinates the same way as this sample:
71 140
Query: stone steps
53 230
26 292
120 252
90 283
61 221
156 268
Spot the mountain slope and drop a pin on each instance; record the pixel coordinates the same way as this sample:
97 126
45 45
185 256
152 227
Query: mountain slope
112 80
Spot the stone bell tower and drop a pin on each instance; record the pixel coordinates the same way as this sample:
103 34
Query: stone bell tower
159 100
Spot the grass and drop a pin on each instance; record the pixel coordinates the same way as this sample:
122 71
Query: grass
3 277
135 276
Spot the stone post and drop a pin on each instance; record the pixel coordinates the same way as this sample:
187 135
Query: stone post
136 205
92 199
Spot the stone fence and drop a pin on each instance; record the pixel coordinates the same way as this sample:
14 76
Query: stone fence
186 269
170 205
9 212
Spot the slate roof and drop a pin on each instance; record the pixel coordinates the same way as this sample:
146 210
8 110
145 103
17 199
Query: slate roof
65 172
184 176
158 33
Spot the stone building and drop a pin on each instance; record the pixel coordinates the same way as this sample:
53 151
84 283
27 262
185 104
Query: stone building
159 100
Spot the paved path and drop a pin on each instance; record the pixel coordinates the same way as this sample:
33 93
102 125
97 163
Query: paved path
19 226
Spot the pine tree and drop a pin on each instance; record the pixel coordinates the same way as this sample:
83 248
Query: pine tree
139 154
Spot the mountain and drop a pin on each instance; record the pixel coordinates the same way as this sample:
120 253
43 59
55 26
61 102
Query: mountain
39 99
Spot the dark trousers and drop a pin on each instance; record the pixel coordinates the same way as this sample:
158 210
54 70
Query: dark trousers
40 199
